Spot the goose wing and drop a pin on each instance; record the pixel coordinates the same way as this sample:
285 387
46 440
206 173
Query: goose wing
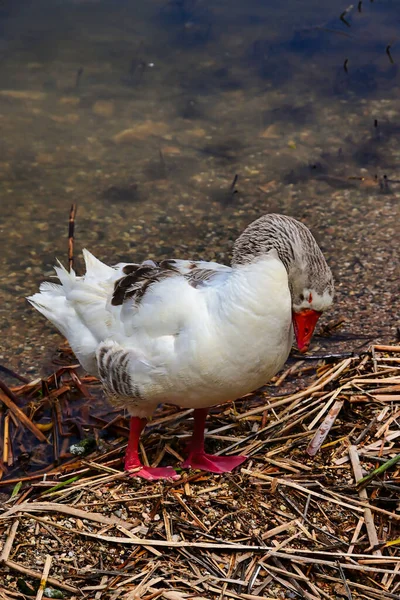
159 298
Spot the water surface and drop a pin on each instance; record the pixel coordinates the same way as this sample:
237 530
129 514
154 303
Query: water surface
142 112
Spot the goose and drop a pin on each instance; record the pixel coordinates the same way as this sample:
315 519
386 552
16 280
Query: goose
192 333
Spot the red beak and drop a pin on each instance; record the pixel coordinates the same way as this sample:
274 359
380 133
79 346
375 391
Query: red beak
304 324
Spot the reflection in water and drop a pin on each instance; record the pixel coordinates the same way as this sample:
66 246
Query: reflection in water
144 112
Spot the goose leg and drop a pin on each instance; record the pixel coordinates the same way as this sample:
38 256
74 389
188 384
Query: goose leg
132 460
198 459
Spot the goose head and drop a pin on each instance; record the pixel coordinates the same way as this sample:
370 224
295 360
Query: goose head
309 277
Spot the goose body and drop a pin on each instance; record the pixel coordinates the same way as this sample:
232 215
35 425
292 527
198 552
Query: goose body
194 334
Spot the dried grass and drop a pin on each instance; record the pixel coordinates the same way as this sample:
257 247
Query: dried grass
299 520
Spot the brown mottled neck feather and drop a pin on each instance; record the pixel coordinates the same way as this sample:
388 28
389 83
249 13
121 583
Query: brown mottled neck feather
295 246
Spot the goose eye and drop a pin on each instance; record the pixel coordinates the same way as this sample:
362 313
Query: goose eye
310 298
301 297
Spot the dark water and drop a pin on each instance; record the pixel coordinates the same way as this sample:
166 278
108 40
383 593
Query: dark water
143 111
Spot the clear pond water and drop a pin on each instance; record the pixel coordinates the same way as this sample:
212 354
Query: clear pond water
143 112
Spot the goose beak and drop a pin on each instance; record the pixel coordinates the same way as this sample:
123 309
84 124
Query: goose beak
304 323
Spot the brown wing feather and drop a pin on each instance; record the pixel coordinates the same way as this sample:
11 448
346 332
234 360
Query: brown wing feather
199 277
138 278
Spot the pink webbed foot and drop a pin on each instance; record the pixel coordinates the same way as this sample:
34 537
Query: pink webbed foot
198 459
132 460
154 473
211 463
150 473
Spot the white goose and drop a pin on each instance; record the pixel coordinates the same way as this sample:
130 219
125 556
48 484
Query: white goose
194 334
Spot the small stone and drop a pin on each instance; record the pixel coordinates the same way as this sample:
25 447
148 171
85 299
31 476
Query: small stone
267 187
198 132
140 132
70 100
52 593
71 118
44 158
270 132
83 447
103 108
23 95
170 150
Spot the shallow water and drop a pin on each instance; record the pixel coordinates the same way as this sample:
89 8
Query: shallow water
143 113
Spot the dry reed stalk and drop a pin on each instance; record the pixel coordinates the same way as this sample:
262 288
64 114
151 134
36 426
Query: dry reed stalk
71 228
21 416
6 440
207 533
368 516
325 427
35 575
9 542
63 509
45 575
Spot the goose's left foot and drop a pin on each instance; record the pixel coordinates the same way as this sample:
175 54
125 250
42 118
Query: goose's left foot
132 460
152 473
211 463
